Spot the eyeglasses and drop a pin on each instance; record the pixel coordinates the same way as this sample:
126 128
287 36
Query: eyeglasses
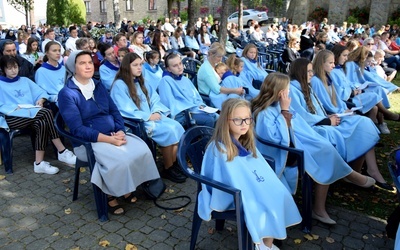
310 72
239 121
370 44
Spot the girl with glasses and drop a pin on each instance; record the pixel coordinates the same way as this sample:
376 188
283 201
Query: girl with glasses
278 122
232 158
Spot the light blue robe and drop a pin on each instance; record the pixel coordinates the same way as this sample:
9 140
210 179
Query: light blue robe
164 132
397 241
231 81
207 79
152 75
372 76
366 100
51 79
268 206
251 71
349 143
19 90
353 74
321 161
361 129
107 74
180 94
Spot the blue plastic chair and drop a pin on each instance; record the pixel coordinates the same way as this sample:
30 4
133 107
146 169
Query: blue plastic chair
394 170
306 183
192 146
99 196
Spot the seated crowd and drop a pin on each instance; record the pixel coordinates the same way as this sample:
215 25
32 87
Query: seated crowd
332 104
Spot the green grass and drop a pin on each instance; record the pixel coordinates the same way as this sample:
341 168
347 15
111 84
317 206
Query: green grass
375 202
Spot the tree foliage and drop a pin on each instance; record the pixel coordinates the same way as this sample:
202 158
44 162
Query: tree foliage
22 6
65 12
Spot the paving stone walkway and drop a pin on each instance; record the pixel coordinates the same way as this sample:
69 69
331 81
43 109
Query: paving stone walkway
33 217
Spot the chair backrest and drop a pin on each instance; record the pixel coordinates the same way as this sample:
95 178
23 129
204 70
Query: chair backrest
191 64
192 146
394 169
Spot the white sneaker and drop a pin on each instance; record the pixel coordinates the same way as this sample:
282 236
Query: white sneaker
384 128
67 157
45 168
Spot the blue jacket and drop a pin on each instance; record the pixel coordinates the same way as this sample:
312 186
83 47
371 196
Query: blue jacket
87 118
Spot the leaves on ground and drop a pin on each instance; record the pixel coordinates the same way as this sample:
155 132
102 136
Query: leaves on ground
311 236
179 210
211 230
82 170
104 243
68 190
163 216
55 234
68 211
365 237
75 248
83 182
297 241
330 240
2 177
66 181
130 247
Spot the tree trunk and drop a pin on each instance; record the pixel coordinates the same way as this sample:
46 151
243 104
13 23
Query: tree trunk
117 14
26 17
240 18
31 17
223 33
169 7
191 13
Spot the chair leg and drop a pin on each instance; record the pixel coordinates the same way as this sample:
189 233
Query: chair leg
195 228
101 203
78 166
307 203
219 224
5 151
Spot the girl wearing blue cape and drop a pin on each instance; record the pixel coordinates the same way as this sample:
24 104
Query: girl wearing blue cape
178 93
370 102
109 66
136 99
252 71
357 75
51 75
207 79
21 101
278 122
152 71
232 158
362 130
229 80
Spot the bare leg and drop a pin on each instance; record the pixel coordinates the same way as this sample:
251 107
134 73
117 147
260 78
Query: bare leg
372 114
58 144
268 242
357 164
321 192
380 118
386 113
39 156
373 169
169 155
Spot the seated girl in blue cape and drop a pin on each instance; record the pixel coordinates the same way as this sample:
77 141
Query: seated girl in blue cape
21 101
109 66
152 71
252 70
135 98
178 93
358 76
232 158
278 122
360 132
51 76
370 102
228 80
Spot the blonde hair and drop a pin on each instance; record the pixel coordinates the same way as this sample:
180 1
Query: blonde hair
215 49
359 56
222 132
318 66
233 62
273 84
221 65
380 52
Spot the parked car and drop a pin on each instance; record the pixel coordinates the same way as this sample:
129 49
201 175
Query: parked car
248 16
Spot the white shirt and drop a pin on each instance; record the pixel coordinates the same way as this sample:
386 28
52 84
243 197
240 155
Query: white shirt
70 43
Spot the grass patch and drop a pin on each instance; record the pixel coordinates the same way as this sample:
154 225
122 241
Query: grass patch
375 202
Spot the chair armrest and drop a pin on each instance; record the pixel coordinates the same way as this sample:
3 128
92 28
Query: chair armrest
210 182
298 152
136 125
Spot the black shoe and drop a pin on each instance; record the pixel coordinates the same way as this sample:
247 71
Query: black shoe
384 185
174 174
176 165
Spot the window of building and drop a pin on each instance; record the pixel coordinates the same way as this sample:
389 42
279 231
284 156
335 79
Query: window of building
129 5
152 5
87 5
103 7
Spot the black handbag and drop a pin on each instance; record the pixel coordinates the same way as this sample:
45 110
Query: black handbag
154 188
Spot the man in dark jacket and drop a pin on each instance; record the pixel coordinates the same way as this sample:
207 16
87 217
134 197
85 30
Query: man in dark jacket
25 67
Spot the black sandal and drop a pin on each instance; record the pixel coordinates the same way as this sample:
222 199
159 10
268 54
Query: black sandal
112 209
129 198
